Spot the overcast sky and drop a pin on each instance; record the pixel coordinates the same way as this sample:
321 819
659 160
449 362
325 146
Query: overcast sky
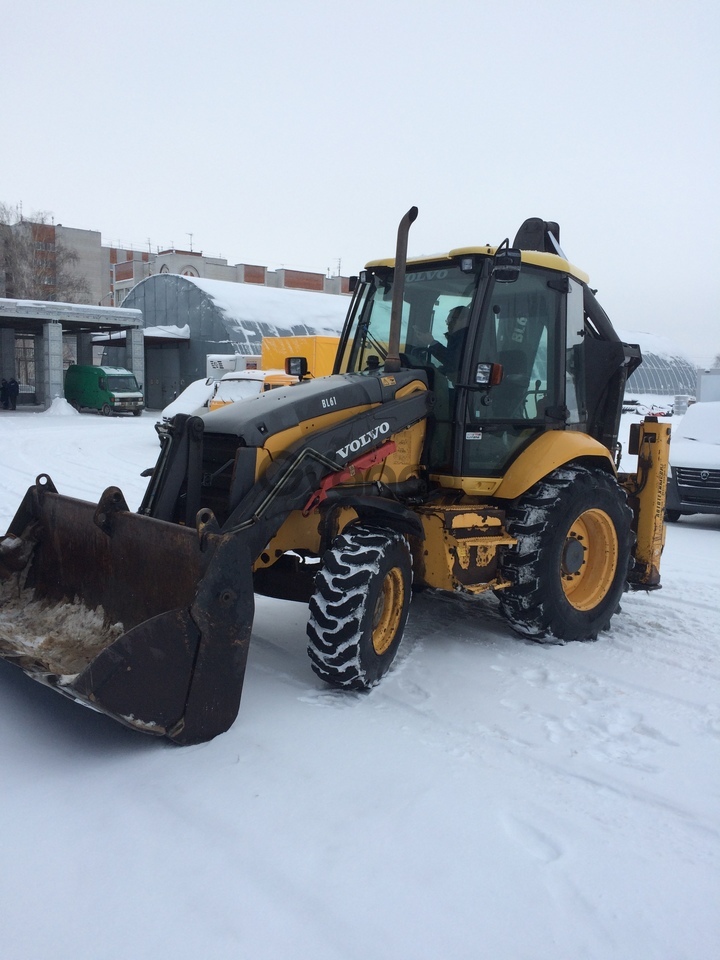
297 133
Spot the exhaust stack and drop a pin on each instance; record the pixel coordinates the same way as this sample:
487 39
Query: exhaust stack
392 360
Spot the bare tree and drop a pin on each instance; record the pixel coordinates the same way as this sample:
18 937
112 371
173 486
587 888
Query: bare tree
35 265
716 361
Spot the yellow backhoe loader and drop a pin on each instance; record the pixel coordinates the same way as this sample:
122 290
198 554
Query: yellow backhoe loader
466 441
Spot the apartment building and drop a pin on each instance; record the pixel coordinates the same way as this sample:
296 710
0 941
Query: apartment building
108 273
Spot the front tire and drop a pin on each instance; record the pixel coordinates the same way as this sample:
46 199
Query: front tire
360 606
672 516
569 568
106 410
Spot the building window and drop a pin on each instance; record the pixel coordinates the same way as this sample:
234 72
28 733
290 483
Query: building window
25 360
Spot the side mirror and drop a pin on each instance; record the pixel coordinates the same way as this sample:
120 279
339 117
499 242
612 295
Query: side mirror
296 367
488 374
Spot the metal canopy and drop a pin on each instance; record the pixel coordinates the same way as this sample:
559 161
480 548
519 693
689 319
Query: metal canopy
29 316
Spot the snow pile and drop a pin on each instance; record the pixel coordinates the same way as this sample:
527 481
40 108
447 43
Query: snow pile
57 638
60 408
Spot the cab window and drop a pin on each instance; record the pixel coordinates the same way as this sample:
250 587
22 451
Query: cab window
520 334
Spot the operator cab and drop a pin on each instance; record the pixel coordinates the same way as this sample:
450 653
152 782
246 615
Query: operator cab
512 343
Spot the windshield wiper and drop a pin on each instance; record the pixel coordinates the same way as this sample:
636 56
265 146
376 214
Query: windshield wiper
369 338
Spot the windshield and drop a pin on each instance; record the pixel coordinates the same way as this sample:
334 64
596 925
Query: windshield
435 317
123 384
231 390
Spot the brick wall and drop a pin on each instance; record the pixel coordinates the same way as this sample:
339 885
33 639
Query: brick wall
301 280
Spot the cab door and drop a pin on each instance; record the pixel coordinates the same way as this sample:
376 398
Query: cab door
522 328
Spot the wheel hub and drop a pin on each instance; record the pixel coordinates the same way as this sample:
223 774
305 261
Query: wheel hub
388 609
573 556
589 559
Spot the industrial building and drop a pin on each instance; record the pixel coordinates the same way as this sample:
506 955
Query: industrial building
665 370
186 318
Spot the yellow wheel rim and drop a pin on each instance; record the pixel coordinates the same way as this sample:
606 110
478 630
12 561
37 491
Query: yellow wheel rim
589 560
388 610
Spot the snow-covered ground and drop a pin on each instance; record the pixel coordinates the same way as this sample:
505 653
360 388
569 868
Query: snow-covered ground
492 798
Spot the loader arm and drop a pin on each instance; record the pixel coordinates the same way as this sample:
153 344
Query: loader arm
167 594
275 450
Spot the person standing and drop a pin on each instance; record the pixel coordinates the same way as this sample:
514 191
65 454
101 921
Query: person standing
13 389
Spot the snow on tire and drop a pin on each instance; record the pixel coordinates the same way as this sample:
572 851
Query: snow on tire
360 606
569 568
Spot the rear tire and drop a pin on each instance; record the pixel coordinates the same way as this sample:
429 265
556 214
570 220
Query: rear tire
569 568
360 606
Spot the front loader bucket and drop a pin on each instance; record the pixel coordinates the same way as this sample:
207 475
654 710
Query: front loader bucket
144 620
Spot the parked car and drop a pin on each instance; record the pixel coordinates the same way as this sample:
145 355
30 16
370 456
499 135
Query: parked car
207 395
247 383
193 399
694 471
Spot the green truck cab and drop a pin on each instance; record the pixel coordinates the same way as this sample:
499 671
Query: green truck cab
107 389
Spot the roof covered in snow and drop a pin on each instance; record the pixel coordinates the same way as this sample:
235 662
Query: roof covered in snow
187 319
248 303
234 317
657 346
666 368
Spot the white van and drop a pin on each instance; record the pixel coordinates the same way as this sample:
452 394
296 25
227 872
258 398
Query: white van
694 470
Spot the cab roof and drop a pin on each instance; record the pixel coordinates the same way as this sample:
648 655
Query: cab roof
550 261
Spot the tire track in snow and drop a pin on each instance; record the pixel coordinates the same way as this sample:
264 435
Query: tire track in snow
605 796
618 730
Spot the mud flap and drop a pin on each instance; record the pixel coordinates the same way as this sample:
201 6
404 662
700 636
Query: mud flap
184 597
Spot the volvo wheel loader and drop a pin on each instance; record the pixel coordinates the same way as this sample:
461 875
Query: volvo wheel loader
467 441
